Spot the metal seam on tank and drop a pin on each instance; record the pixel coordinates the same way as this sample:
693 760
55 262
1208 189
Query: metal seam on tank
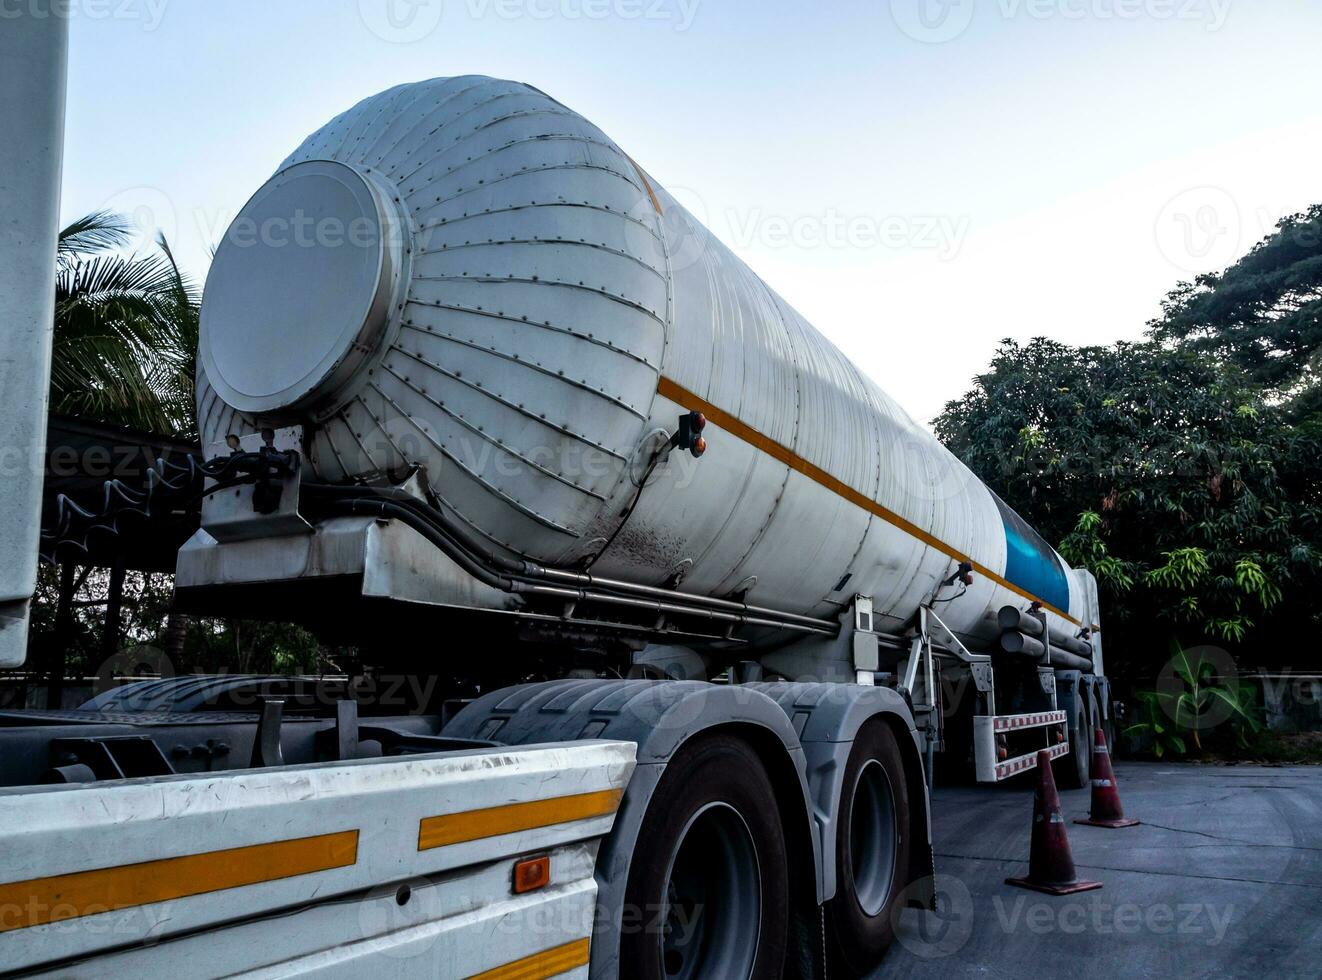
846 378
600 208
531 365
667 328
348 425
450 121
717 304
389 98
314 458
500 147
473 526
460 140
396 95
488 182
339 460
794 365
578 286
724 304
574 243
407 134
477 430
418 93
872 518
379 424
579 138
491 487
525 113
361 123
539 324
437 119
208 400
495 396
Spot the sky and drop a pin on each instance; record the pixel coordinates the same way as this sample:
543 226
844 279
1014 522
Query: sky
919 178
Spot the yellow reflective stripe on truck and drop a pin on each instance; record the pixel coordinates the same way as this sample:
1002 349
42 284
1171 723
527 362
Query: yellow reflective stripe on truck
548 963
39 901
456 828
680 395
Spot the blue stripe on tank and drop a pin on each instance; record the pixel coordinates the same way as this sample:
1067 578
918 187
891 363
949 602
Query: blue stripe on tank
1030 562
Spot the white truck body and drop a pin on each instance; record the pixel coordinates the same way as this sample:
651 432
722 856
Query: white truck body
397 867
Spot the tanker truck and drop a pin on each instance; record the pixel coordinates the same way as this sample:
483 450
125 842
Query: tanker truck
707 609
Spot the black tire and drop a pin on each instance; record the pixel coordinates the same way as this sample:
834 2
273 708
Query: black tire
1072 771
711 828
871 853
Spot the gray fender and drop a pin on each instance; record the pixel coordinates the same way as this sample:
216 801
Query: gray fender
827 718
659 716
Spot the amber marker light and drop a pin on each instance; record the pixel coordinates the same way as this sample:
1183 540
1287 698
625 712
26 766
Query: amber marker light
532 874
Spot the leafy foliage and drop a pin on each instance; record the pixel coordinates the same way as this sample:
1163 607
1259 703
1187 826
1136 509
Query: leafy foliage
211 645
125 331
1263 314
1174 478
1202 702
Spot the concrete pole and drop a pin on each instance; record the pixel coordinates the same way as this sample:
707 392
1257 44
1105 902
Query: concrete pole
34 52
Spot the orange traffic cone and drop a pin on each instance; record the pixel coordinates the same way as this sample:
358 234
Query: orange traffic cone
1050 864
1105 810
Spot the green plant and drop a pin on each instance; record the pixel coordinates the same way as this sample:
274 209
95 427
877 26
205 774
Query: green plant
1155 725
126 330
1202 695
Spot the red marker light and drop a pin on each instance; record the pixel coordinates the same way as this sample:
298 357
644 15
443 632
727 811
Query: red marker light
687 434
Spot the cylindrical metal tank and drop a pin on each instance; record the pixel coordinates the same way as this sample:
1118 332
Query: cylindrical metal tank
463 275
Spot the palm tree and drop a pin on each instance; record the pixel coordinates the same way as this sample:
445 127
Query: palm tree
125 331
125 343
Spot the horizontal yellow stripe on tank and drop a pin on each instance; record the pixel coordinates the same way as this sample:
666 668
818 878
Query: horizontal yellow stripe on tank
457 828
719 417
39 901
548 963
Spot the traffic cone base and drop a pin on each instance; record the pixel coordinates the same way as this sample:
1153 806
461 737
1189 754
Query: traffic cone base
1113 824
1050 865
1070 889
1105 810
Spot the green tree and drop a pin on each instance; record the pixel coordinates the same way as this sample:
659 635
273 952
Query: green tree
125 342
1166 472
1263 314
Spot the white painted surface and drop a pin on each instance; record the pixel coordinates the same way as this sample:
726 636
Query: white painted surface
51 831
547 297
34 51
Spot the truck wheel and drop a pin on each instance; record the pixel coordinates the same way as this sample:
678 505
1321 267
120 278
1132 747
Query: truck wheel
708 881
1072 771
871 849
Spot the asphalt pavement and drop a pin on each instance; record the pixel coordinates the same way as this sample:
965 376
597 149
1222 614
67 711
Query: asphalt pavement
1223 878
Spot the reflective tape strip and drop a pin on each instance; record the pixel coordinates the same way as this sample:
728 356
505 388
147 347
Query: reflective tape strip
1102 783
42 900
548 963
1002 723
682 396
1029 761
456 828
